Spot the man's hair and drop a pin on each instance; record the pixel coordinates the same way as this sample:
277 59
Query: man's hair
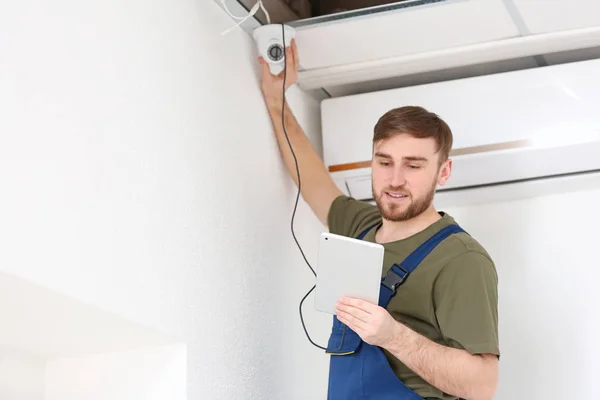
417 122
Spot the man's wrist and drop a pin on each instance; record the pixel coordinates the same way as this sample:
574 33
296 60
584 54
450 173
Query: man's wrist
274 102
400 339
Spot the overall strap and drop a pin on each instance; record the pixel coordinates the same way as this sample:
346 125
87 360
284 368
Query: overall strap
398 273
364 233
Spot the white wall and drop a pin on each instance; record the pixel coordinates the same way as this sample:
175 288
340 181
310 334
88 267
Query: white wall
69 326
59 347
22 376
142 374
127 136
545 248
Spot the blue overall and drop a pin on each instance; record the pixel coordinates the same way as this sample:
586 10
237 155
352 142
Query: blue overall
360 371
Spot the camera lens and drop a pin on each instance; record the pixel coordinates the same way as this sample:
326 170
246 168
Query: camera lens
275 52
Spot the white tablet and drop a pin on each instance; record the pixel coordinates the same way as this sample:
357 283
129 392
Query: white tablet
347 267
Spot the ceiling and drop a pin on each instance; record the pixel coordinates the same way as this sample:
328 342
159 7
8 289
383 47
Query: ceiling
423 41
312 11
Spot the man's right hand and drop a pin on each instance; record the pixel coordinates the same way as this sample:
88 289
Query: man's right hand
272 85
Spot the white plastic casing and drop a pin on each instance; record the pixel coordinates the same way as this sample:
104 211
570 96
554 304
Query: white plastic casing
269 40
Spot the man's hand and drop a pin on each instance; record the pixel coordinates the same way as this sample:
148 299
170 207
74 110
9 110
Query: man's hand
272 85
451 370
371 322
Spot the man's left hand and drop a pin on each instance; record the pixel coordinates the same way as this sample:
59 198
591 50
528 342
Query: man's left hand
371 322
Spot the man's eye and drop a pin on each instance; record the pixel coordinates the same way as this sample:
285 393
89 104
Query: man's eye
414 166
384 163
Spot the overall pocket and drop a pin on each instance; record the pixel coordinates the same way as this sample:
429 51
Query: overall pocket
343 340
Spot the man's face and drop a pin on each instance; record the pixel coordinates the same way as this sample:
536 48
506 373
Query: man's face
405 172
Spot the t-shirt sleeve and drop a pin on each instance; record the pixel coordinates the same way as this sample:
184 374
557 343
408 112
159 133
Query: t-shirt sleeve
466 303
347 216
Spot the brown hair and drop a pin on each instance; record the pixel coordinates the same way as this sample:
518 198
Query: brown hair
417 122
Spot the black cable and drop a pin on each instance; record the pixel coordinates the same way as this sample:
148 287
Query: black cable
299 187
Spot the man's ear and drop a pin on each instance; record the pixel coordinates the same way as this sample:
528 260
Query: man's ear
445 172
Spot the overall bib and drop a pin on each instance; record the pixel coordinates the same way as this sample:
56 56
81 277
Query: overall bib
360 371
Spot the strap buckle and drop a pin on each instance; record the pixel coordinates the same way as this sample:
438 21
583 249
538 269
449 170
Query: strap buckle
395 277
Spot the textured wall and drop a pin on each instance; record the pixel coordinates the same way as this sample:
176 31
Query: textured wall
140 174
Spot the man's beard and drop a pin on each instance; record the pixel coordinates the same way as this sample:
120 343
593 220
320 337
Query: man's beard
392 211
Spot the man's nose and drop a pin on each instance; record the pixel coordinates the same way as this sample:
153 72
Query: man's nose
398 178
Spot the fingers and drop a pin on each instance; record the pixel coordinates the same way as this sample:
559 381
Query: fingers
358 303
354 323
295 54
262 62
350 311
368 320
289 57
290 70
264 66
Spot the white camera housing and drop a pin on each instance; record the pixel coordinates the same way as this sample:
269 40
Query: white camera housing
269 41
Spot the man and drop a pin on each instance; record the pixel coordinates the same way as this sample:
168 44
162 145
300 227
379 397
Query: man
436 335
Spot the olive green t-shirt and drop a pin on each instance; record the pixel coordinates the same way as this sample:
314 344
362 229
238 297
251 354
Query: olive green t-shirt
451 297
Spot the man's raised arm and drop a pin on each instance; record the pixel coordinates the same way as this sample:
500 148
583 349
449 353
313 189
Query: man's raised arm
317 187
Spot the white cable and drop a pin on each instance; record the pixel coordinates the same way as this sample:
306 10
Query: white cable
229 12
262 7
241 20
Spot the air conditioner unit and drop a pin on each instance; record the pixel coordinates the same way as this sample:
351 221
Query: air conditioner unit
508 127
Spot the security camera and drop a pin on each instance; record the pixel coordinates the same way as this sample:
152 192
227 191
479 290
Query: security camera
270 44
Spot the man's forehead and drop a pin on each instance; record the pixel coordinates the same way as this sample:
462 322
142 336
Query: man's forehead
405 147
407 157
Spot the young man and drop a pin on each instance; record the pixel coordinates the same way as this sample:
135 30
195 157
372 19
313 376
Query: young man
436 334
